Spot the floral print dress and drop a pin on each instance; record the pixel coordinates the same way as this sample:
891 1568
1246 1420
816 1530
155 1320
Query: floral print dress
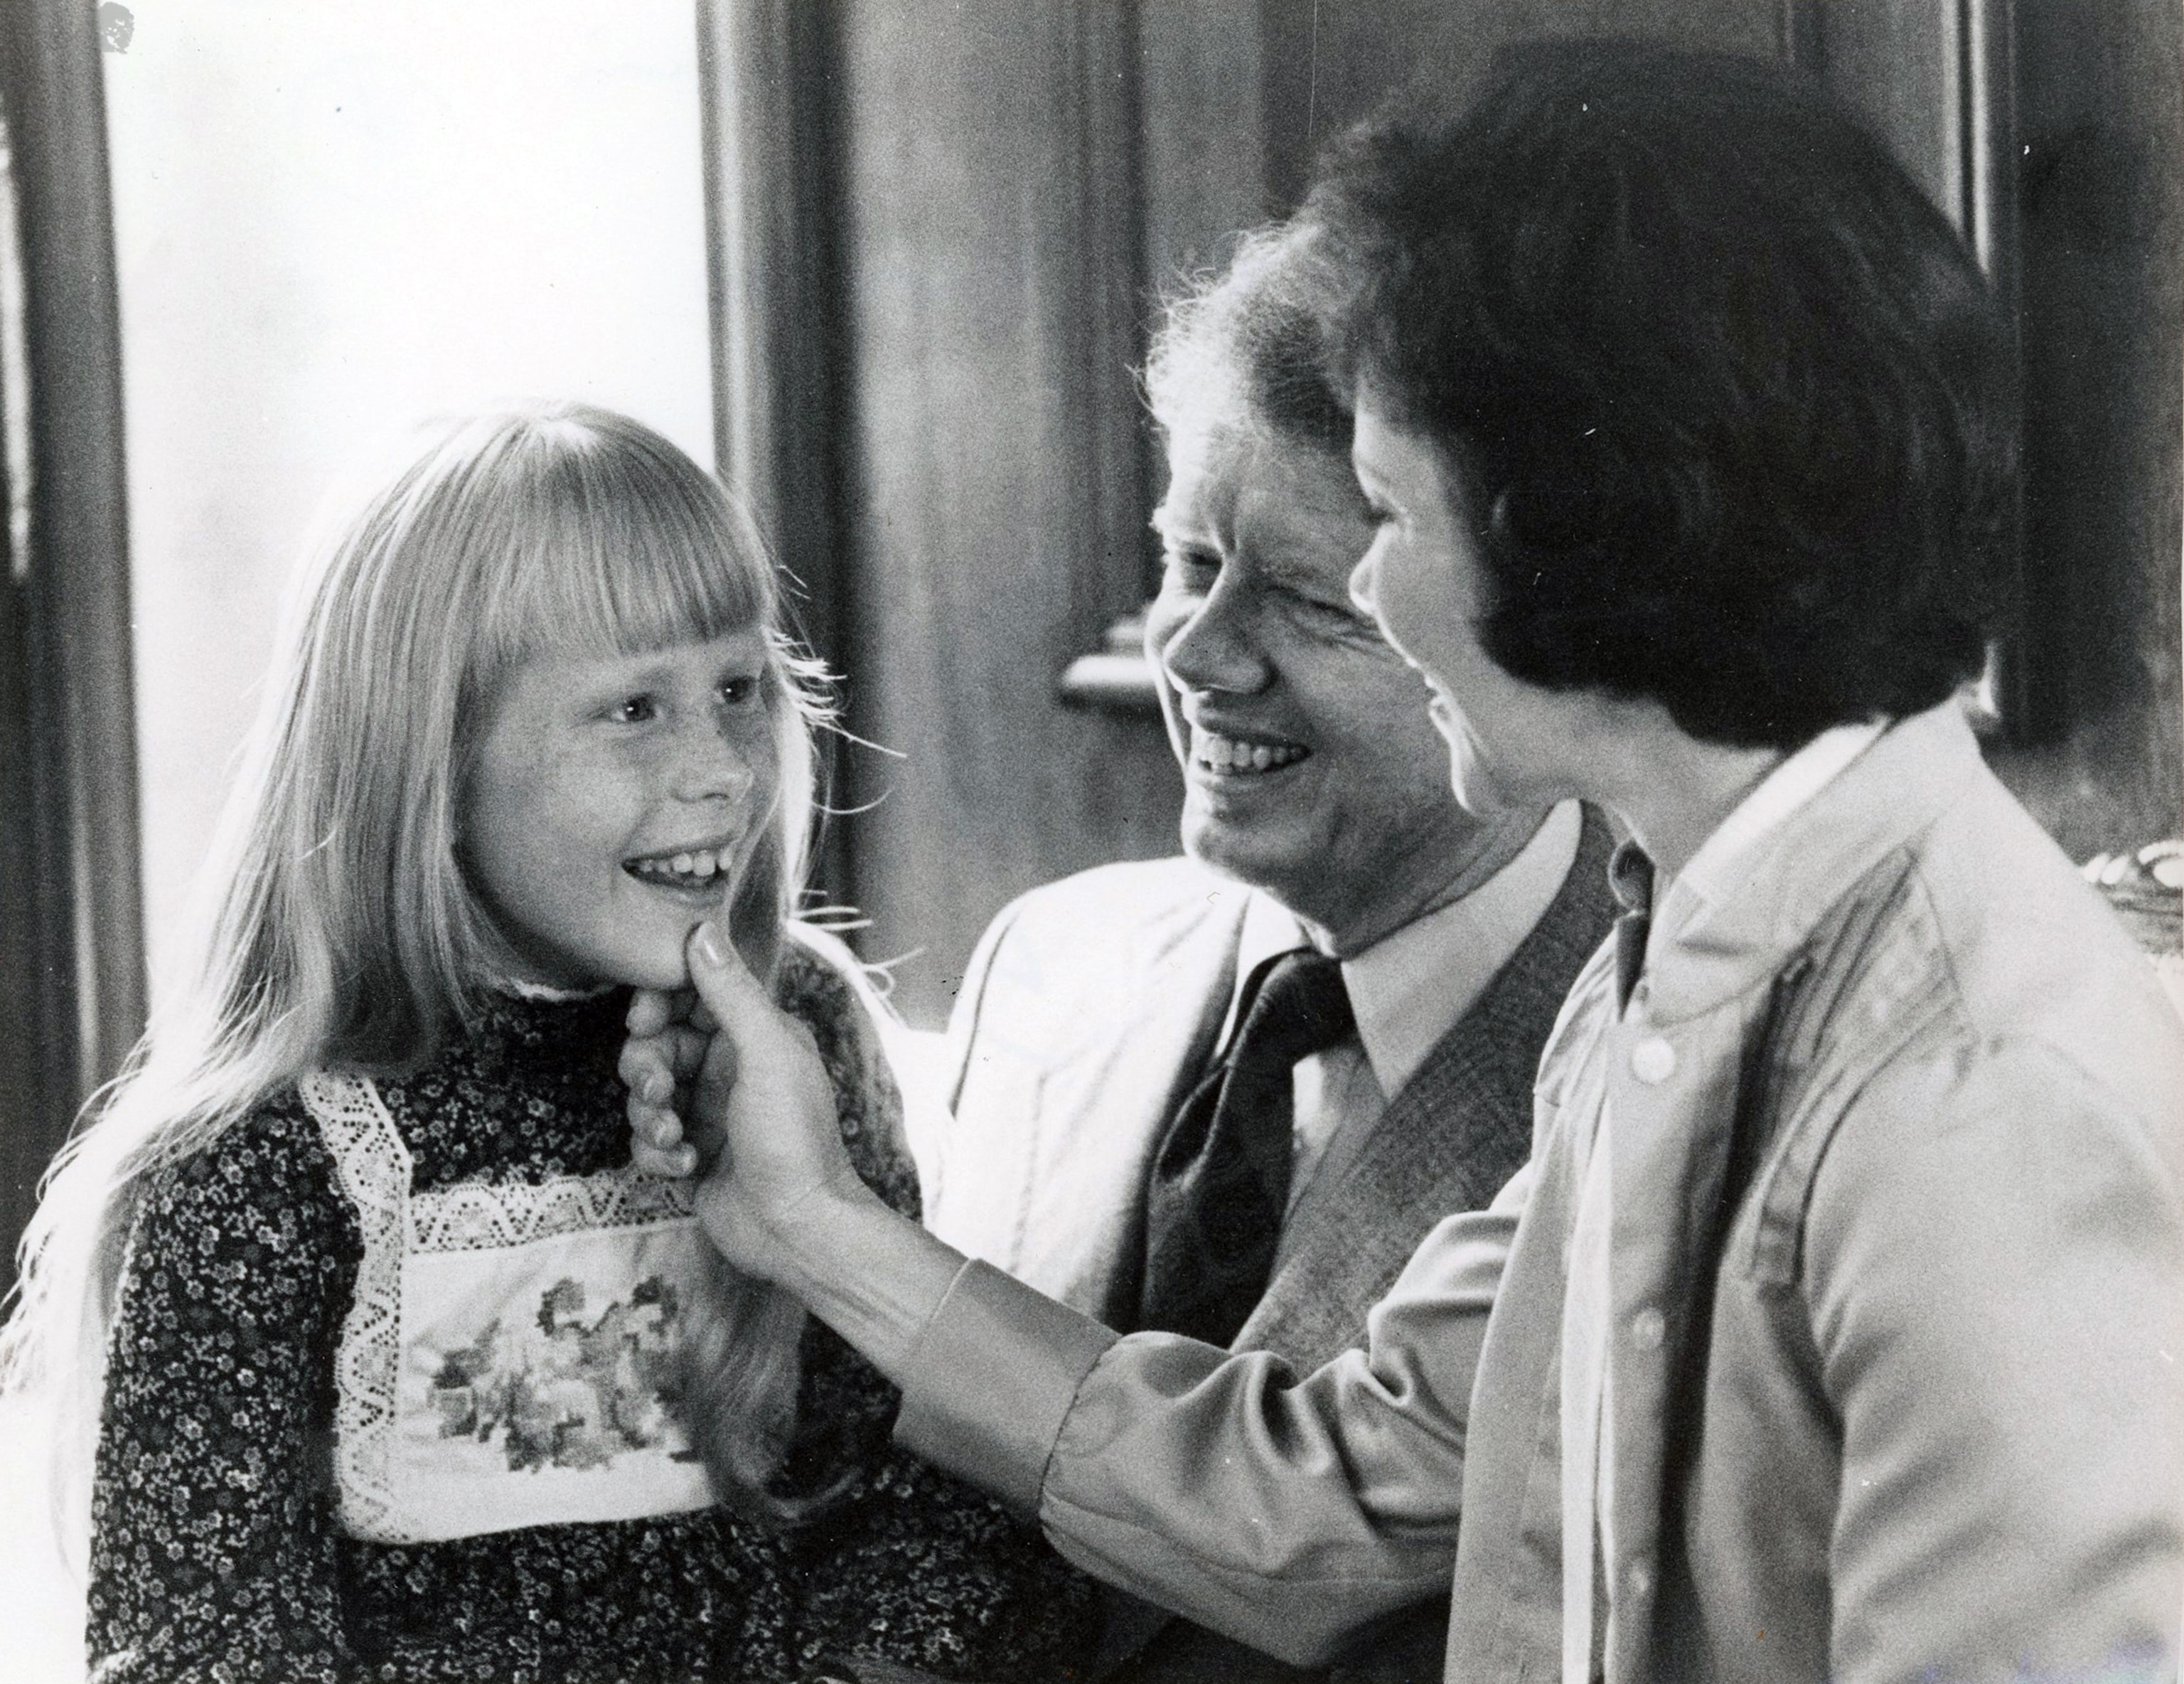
222 1548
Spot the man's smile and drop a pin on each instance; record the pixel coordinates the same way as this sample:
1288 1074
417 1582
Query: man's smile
1229 755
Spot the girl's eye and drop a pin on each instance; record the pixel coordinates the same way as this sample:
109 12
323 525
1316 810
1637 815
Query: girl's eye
635 710
735 692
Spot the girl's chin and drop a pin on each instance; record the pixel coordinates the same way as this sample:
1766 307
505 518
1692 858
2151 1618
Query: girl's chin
656 955
644 950
662 978
668 969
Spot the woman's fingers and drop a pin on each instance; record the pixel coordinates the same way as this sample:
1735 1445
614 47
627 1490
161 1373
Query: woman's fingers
656 1146
723 982
686 1048
736 1000
765 1090
655 1126
650 1011
662 1056
668 1161
647 1066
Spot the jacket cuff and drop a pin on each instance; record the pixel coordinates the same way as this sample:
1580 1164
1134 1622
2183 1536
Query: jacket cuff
992 1377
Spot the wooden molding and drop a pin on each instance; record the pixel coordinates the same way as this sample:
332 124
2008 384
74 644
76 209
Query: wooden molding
71 915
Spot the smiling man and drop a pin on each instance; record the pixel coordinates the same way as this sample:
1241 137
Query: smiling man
1228 1094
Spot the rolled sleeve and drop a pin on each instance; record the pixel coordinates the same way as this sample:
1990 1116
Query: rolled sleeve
992 1378
1284 1513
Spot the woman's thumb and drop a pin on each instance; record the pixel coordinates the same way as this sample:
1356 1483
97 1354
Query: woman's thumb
724 982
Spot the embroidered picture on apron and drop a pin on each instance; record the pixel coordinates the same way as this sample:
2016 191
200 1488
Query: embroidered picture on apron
571 1384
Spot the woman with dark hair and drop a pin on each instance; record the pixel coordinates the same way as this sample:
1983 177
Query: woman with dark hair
1686 419
1836 1322
1731 398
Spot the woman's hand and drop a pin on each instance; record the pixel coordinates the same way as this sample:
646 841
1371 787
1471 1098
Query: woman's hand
669 1034
782 1201
759 1096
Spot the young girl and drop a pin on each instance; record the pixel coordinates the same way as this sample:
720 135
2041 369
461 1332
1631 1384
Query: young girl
396 1367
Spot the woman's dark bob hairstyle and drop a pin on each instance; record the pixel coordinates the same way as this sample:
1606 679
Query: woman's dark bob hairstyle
1730 400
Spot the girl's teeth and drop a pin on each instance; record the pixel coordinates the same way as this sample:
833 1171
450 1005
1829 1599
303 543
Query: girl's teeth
703 863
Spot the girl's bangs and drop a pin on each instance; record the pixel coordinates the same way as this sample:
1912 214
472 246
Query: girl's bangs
619 551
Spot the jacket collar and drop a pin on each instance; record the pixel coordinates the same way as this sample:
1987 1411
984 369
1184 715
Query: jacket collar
1890 793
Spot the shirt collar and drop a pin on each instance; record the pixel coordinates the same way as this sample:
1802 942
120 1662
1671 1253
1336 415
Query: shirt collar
1409 988
1726 857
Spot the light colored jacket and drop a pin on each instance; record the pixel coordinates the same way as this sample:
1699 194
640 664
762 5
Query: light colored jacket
1090 1010
1898 1311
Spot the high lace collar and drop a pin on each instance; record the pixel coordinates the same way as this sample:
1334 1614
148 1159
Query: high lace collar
517 988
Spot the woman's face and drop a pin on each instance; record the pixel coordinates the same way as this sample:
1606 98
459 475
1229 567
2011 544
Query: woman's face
1510 744
615 801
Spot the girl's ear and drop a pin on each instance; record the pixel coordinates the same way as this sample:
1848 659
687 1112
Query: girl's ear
754 918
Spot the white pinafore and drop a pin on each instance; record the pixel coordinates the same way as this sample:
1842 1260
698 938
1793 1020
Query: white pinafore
508 1361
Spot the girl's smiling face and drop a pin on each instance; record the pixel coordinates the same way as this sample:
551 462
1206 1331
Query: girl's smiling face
614 801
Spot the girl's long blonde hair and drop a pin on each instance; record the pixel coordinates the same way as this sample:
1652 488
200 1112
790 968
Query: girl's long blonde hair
336 927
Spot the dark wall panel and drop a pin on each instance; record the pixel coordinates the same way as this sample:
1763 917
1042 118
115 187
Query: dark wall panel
71 922
1202 96
2101 120
996 489
1327 65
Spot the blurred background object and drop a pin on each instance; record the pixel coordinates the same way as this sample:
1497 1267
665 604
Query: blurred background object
2146 887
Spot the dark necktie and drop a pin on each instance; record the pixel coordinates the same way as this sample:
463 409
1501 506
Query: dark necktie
1221 1178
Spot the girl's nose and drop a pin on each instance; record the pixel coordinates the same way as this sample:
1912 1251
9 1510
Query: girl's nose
713 764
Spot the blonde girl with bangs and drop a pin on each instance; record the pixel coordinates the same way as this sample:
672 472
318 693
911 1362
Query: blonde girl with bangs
362 1348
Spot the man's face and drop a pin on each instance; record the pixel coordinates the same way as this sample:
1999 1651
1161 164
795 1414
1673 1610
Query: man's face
1310 767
